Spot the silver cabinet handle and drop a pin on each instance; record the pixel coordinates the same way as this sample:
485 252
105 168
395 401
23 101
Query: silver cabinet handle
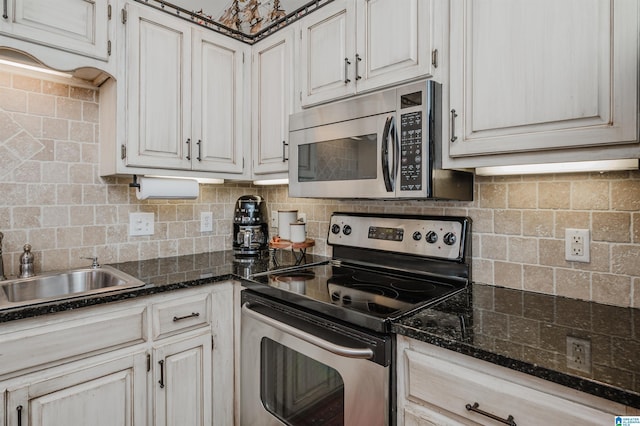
364 353
453 125
358 59
191 315
346 71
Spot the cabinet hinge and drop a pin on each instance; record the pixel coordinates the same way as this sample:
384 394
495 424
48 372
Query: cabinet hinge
300 95
123 151
109 47
124 16
148 362
109 11
243 57
434 58
300 34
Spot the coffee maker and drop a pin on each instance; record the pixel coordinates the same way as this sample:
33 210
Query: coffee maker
250 227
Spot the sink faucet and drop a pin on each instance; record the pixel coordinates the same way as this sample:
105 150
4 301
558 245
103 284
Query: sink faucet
95 264
2 276
26 263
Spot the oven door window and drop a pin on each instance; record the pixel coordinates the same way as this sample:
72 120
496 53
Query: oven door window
299 390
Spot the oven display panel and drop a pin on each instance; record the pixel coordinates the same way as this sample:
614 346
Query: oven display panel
387 234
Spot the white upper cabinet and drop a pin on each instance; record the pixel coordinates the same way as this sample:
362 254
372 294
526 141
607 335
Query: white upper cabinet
351 46
533 76
63 34
272 100
185 97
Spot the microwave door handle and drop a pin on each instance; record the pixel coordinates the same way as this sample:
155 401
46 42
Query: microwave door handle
388 171
361 353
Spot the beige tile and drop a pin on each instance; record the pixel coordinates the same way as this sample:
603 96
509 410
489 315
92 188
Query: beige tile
8 127
94 194
67 152
41 194
523 250
612 227
27 171
55 172
90 153
184 212
523 195
39 104
538 278
81 173
94 235
590 195
69 194
82 215
492 195
8 161
55 128
82 94
538 223
5 218
82 132
90 112
625 195
551 252
107 215
507 222
611 289
42 238
69 109
30 84
54 88
13 100
13 194
554 195
55 216
636 293
636 227
5 79
624 259
573 284
482 220
508 275
54 260
23 145
493 247
26 217
571 219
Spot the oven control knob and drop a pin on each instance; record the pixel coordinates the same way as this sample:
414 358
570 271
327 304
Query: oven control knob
417 236
335 228
347 230
431 237
450 238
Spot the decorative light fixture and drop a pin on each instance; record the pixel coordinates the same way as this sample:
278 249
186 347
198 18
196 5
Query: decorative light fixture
570 167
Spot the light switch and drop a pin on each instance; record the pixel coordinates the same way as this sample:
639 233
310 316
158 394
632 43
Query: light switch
141 224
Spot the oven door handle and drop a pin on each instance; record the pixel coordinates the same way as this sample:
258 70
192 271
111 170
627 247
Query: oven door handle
389 171
364 353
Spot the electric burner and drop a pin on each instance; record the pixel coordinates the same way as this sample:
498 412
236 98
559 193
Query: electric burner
384 266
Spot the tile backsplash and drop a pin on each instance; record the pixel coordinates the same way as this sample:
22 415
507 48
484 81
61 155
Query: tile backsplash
51 196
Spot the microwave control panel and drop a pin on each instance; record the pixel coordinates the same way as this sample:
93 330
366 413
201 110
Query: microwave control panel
411 151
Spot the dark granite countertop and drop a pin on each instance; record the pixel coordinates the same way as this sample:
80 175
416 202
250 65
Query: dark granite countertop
166 274
528 332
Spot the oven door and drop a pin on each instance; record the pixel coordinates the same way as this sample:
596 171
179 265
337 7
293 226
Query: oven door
351 159
295 372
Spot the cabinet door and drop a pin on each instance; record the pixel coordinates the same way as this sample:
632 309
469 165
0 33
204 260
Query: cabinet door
223 354
272 97
158 92
218 100
395 41
77 26
537 75
107 394
182 382
327 53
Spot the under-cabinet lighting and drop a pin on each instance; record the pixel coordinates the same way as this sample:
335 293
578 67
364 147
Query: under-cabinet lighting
572 167
35 68
271 182
200 180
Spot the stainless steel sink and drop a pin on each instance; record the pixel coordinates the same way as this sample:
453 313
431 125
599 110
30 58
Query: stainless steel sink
64 285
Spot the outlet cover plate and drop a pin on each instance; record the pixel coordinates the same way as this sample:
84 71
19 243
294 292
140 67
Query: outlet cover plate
577 243
579 354
141 224
206 221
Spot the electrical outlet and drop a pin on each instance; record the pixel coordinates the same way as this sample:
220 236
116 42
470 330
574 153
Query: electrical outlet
302 217
141 224
274 218
577 245
206 221
579 354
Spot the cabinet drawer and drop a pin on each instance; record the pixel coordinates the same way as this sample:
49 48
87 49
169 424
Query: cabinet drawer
448 388
53 342
181 314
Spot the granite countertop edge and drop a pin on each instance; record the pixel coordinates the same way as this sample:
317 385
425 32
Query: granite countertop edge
591 387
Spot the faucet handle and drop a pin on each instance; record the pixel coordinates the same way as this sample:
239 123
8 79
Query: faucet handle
95 264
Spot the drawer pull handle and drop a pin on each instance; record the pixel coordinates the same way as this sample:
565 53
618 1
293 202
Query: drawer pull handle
508 421
192 315
161 381
19 410
453 125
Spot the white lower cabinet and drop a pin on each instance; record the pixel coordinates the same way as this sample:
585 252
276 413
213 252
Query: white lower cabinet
182 381
96 391
435 387
160 360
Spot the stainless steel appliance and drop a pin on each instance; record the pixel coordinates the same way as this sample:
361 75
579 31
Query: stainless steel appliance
381 145
316 344
250 227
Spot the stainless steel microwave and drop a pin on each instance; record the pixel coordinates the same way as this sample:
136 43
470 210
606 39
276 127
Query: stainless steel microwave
382 145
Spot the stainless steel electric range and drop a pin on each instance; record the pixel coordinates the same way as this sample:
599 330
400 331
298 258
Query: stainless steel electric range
316 341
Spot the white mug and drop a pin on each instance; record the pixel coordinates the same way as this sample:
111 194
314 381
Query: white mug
285 217
298 232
